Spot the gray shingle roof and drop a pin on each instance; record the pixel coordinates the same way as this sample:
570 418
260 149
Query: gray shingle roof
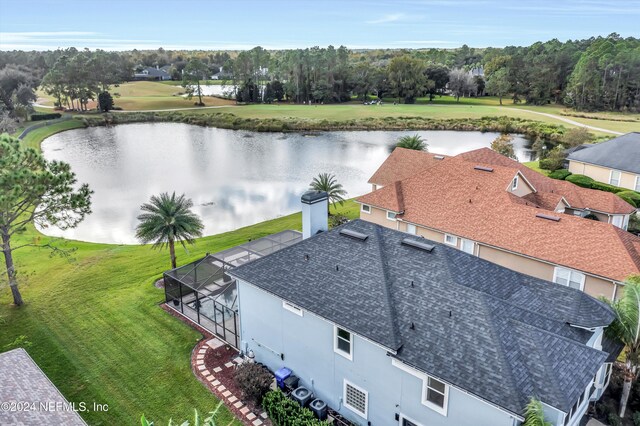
496 333
621 153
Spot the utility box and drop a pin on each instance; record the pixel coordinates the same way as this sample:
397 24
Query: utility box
291 382
319 408
281 375
302 396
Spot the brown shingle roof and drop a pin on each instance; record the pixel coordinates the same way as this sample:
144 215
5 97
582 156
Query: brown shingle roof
436 197
404 163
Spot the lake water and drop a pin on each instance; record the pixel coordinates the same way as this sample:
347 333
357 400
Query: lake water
235 178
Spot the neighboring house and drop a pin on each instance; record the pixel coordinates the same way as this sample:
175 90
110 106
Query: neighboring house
29 397
390 329
495 208
151 73
616 162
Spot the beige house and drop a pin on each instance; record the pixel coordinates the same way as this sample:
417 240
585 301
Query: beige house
616 162
493 207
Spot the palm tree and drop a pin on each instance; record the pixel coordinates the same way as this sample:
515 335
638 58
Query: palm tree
413 142
534 414
167 219
626 328
327 182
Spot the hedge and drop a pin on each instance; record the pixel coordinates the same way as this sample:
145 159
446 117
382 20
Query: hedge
631 197
286 412
41 117
606 187
581 180
561 174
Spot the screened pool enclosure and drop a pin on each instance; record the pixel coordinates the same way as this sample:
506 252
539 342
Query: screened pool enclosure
206 294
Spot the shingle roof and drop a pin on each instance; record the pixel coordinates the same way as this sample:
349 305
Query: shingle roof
403 163
493 216
621 153
22 381
493 332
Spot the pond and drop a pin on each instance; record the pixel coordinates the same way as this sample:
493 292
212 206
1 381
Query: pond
235 178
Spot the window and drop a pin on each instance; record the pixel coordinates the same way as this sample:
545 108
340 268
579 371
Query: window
356 399
391 216
451 240
467 246
407 422
292 308
617 220
365 208
514 183
638 183
411 228
435 395
614 178
342 343
568 277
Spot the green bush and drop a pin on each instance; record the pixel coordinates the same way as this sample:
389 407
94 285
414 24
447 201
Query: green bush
253 380
41 117
614 420
636 418
286 412
581 180
606 187
560 174
631 197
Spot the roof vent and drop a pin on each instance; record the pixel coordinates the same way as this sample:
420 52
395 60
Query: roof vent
418 244
439 157
484 169
353 234
548 217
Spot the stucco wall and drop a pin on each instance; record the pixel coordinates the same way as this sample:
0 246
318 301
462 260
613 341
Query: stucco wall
307 345
602 174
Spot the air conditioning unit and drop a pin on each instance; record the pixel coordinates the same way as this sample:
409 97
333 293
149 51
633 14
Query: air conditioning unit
319 408
302 396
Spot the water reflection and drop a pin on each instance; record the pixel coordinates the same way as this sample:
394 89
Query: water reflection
235 178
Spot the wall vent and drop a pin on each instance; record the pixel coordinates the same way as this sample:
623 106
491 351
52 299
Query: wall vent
418 244
548 217
353 234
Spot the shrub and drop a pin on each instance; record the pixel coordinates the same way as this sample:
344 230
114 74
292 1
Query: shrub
40 117
560 174
636 418
614 420
581 180
286 412
631 197
253 380
554 161
337 220
606 187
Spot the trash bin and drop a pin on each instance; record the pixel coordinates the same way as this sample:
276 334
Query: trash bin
281 375
291 382
319 408
302 396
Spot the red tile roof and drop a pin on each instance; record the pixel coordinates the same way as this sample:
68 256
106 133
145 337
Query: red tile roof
404 163
454 197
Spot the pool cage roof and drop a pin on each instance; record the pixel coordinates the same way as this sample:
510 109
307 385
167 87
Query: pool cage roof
208 275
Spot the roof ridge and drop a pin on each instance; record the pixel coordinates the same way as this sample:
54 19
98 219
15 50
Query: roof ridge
386 284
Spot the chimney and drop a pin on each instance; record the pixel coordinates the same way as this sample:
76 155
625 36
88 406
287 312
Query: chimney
315 208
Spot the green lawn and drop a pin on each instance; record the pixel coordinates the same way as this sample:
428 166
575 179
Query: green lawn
97 331
535 165
36 136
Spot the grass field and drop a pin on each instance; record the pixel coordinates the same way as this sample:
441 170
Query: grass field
97 331
147 95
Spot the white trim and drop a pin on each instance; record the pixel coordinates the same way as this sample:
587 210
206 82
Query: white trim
570 271
292 308
351 407
455 239
394 215
637 185
514 183
409 419
611 177
415 229
438 409
339 351
362 208
473 246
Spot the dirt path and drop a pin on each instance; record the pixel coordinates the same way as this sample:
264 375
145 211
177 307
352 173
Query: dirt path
566 120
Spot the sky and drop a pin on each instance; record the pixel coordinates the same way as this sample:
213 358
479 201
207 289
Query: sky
283 24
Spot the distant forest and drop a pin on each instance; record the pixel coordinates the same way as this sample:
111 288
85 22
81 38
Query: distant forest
596 74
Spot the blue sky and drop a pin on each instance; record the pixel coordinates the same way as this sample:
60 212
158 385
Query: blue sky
240 24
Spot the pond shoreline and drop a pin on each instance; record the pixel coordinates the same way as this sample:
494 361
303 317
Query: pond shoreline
530 128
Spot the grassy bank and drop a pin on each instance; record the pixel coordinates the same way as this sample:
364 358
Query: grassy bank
227 120
97 331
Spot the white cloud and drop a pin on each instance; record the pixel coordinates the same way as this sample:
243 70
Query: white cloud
393 17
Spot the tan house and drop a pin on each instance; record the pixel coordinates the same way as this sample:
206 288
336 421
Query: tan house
616 162
493 207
